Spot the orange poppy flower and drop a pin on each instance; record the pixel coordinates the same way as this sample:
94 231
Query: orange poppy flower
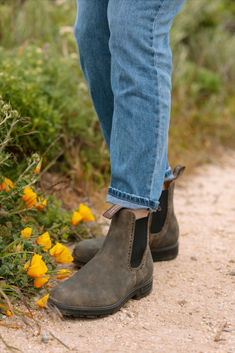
61 253
38 267
45 240
26 233
40 281
31 199
83 214
76 218
86 213
41 204
63 274
38 167
6 185
8 313
43 301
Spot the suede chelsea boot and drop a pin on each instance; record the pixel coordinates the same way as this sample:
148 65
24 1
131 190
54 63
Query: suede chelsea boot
164 230
121 270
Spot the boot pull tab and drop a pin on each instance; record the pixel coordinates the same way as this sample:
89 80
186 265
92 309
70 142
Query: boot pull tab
178 171
111 211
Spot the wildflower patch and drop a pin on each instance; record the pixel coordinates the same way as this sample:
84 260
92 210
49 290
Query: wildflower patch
33 226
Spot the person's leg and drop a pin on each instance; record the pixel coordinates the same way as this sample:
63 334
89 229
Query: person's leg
141 83
91 31
92 34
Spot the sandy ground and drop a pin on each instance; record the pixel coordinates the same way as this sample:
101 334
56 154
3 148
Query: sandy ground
191 308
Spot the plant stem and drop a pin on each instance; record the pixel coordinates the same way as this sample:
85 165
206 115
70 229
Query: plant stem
11 348
15 253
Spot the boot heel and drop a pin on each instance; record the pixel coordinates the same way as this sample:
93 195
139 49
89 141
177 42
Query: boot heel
165 254
144 291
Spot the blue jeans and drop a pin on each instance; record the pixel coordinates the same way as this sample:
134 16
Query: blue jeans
126 59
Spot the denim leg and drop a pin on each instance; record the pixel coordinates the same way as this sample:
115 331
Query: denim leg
92 35
91 31
141 84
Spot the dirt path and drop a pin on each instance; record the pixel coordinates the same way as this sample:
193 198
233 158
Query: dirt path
191 308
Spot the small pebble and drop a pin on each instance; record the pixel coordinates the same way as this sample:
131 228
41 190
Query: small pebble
193 258
182 302
45 337
232 273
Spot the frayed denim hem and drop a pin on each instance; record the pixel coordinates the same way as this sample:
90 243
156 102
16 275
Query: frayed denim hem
135 202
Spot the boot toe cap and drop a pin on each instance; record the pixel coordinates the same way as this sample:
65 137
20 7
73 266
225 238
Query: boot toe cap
85 250
61 294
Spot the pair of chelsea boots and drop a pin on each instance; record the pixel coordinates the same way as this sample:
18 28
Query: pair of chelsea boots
119 267
164 230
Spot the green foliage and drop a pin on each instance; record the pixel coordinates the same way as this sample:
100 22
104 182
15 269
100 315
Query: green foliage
203 102
201 35
40 77
37 21
35 81
16 214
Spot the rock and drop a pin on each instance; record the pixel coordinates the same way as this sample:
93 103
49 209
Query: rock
232 273
193 258
45 337
182 302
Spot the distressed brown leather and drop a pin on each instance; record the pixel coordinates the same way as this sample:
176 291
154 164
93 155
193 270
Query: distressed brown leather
86 249
169 233
108 277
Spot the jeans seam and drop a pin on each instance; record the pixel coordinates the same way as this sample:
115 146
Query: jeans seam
132 199
127 193
158 105
113 198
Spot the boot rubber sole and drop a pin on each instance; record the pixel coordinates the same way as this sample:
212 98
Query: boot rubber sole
165 254
162 254
137 293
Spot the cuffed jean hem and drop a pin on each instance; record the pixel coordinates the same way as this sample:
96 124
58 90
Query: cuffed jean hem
135 202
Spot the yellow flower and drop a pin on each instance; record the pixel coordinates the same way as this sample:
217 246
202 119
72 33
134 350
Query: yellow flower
8 313
31 199
57 249
41 204
40 281
38 167
63 274
86 213
28 190
43 301
76 218
65 257
6 185
61 253
38 267
83 214
26 266
26 233
45 240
